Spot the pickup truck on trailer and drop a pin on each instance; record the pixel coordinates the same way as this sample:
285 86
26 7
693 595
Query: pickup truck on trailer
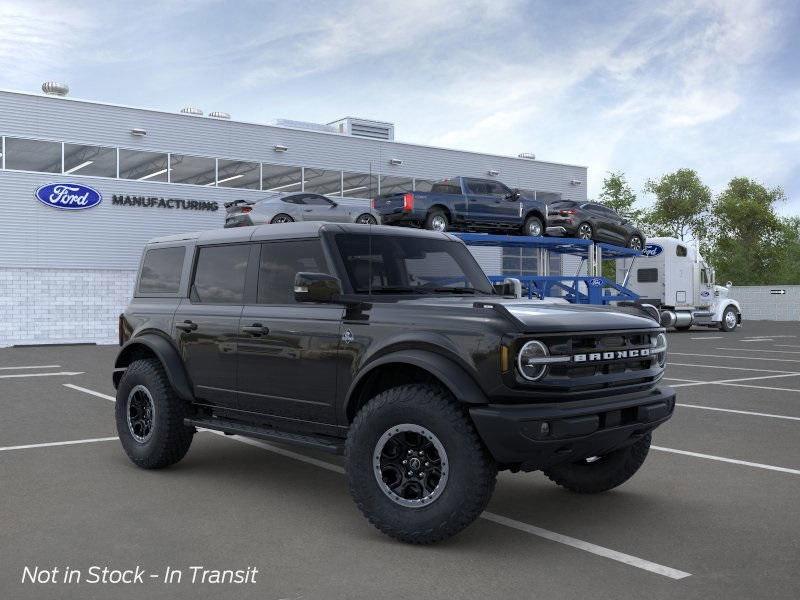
466 204
389 346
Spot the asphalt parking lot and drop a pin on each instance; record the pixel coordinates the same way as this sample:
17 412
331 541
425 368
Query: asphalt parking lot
712 514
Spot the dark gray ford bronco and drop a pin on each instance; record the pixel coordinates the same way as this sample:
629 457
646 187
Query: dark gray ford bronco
389 346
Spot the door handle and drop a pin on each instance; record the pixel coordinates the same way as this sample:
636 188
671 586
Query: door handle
308 209
186 326
256 329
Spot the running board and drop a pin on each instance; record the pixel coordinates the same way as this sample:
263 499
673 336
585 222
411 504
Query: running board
317 442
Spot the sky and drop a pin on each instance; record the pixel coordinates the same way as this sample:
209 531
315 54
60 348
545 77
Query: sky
639 87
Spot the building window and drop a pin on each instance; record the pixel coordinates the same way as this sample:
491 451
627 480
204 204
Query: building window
279 178
423 185
33 155
396 185
238 174
143 166
90 160
219 276
359 185
195 170
325 182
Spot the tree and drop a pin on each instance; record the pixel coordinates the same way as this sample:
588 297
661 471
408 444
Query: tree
751 244
618 196
681 206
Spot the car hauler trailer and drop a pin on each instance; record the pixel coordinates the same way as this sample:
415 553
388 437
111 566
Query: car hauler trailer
591 288
672 276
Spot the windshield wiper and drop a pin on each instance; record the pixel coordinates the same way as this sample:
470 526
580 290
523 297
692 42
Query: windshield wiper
457 290
389 290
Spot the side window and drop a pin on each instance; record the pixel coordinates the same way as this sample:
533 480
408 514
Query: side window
315 200
477 187
680 251
161 271
497 189
647 275
280 262
446 187
299 199
219 275
703 276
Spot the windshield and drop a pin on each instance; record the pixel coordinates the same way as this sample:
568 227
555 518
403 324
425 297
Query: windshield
388 264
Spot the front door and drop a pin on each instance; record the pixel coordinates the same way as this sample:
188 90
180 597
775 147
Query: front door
479 202
288 352
319 208
207 324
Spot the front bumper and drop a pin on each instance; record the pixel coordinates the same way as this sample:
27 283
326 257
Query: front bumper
537 436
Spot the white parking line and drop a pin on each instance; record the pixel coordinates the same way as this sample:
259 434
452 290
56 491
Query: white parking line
31 367
787 346
587 547
501 520
757 340
692 382
67 443
762 387
760 350
727 460
65 373
673 364
707 337
739 412
88 391
747 358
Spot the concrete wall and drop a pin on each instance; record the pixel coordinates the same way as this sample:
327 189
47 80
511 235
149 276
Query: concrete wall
759 304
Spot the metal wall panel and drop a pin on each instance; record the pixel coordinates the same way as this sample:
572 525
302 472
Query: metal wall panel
64 119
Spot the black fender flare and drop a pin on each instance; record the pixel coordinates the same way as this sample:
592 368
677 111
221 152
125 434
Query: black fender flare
460 383
166 353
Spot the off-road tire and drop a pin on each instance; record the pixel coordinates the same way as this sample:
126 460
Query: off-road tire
723 326
531 222
608 472
170 438
472 471
434 214
282 218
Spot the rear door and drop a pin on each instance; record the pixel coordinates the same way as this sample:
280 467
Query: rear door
480 201
207 323
288 352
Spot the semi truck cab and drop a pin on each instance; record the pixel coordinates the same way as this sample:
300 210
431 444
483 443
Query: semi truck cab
673 276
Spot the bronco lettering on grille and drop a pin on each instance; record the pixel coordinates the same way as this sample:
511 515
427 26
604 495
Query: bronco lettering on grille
615 355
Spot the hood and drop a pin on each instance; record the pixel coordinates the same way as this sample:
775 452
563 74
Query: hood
721 291
543 316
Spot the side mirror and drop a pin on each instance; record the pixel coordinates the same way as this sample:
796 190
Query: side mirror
509 287
316 287
514 195
729 284
334 204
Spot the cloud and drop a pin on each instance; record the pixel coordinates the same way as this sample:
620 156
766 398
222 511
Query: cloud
34 37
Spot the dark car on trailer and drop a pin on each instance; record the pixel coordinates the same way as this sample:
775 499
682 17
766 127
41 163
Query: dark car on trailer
390 346
466 204
593 221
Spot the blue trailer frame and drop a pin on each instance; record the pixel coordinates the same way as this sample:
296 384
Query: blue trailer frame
578 289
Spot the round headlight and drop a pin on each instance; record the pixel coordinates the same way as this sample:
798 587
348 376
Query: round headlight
529 360
659 345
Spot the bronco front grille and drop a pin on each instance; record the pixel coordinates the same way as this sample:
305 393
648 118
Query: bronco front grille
609 365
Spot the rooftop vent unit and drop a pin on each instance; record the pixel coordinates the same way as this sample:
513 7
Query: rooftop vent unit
375 130
192 110
53 88
527 155
219 115
303 125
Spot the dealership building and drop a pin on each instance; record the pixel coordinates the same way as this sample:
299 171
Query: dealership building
65 275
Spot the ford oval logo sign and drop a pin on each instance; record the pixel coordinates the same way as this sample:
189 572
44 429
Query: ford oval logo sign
652 250
68 196
596 282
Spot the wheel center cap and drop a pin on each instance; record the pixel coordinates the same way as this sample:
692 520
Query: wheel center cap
414 463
